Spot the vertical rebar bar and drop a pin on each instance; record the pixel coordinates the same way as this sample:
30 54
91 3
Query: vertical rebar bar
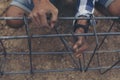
93 23
29 42
101 43
3 60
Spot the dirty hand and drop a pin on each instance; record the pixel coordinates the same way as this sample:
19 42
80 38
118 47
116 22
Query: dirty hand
41 11
80 45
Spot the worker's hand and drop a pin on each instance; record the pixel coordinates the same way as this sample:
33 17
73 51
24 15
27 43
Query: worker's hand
42 11
80 45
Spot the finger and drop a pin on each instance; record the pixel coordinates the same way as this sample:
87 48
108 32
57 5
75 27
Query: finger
53 19
34 19
83 47
52 24
43 19
78 43
78 55
37 19
79 52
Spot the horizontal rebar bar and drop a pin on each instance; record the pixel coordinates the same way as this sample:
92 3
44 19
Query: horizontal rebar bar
59 35
64 18
45 53
36 53
96 18
58 70
41 71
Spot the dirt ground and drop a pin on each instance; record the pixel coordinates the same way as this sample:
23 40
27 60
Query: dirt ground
21 62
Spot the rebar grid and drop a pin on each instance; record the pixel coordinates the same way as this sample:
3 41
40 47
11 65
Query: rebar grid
82 65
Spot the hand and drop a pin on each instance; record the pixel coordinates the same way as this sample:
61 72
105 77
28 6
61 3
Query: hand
40 13
80 45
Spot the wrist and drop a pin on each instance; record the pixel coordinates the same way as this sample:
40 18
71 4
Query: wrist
82 28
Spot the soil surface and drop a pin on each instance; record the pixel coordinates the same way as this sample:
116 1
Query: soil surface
43 62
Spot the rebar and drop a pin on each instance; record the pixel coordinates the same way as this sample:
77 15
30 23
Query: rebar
66 18
80 65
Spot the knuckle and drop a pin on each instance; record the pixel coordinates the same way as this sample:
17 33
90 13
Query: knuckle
34 14
56 10
41 12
